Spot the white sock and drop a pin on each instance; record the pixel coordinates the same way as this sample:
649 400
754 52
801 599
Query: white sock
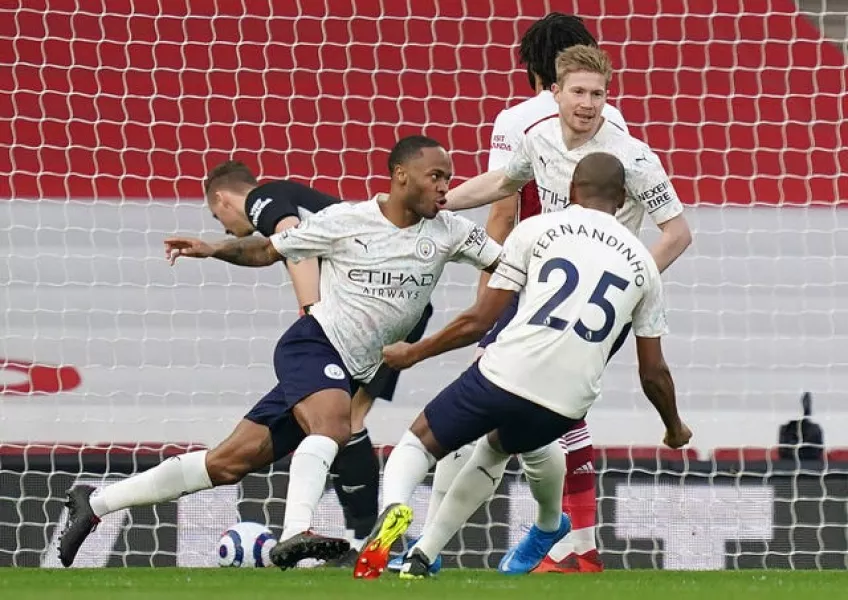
474 484
176 476
578 541
355 542
406 468
307 477
583 540
545 472
446 471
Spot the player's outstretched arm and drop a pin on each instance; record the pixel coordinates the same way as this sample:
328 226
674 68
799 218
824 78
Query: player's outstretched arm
659 388
481 190
467 328
245 252
673 241
499 225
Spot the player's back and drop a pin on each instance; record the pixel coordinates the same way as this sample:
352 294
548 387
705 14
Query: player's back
586 276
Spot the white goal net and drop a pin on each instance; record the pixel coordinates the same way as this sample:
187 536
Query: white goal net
113 111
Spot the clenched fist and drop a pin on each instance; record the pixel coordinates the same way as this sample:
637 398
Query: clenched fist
678 436
398 356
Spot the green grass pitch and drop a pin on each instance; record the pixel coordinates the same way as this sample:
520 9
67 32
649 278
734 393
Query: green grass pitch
260 584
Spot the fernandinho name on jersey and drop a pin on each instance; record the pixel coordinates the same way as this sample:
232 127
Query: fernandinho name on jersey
596 234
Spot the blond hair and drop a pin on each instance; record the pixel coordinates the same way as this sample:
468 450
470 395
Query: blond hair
583 58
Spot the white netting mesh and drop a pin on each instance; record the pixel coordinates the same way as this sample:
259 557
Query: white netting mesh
115 110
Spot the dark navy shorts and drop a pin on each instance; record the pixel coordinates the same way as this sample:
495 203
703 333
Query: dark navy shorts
503 321
385 381
305 362
472 406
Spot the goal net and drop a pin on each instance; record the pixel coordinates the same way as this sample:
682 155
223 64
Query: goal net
111 359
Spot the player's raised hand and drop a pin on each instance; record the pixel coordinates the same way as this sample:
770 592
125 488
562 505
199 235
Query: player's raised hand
191 247
398 356
677 437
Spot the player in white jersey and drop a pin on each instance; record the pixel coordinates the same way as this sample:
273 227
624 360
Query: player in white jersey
552 147
543 153
381 262
583 281
539 48
243 206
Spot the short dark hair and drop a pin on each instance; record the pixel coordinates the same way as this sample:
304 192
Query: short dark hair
229 174
545 39
599 175
409 147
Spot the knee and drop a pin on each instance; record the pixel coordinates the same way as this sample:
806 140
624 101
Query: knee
334 424
338 431
335 428
225 468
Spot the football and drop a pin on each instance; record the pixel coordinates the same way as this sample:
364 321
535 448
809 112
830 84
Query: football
246 544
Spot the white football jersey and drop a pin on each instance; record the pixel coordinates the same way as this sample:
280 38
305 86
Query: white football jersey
512 122
584 280
376 278
543 157
508 131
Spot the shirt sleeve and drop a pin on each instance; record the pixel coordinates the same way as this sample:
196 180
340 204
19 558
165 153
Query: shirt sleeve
504 142
471 244
614 116
511 273
649 317
269 204
520 167
314 236
650 185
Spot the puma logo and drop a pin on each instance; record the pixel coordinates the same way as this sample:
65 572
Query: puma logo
361 243
489 475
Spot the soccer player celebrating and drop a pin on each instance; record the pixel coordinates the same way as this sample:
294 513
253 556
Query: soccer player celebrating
538 158
243 207
381 261
552 147
583 281
539 48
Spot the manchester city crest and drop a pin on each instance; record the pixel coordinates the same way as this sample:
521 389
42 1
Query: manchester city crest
425 248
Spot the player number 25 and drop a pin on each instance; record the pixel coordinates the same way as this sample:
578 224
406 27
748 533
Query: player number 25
598 298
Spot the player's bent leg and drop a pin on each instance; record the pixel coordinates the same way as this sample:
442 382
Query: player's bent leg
460 414
533 432
407 467
247 449
447 470
356 480
475 484
325 417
